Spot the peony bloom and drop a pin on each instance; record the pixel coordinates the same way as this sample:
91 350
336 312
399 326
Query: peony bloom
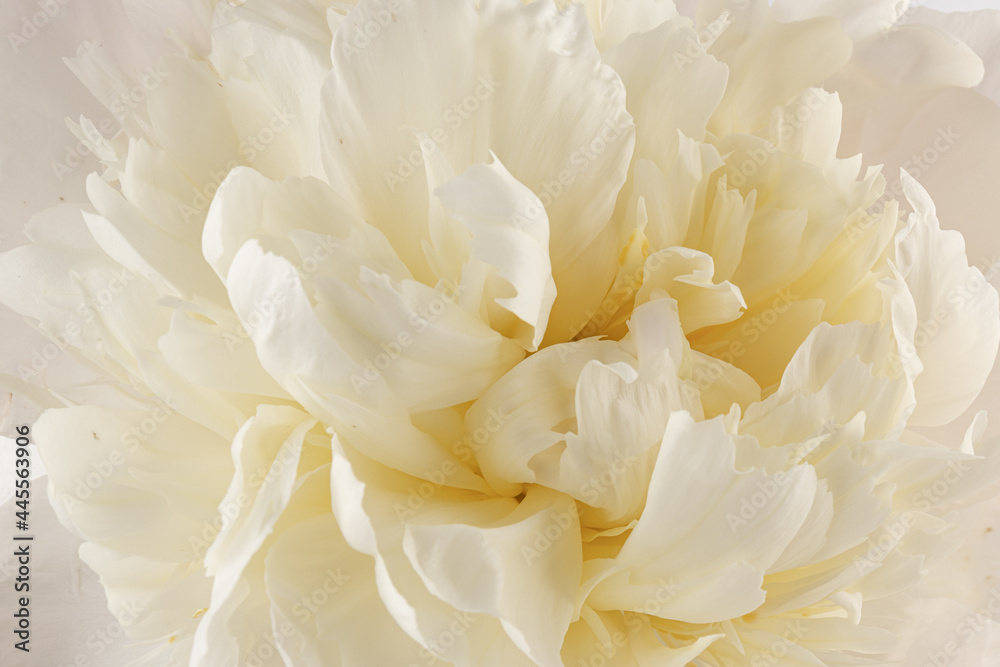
502 334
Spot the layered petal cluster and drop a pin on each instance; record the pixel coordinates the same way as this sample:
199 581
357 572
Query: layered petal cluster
493 334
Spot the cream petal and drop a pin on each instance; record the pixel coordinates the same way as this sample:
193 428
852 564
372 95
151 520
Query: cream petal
585 418
794 590
673 199
189 115
130 238
808 642
286 69
510 233
57 372
812 537
495 649
213 355
721 384
223 413
613 21
153 601
268 452
143 488
762 342
96 310
859 18
886 553
238 626
589 637
401 335
957 309
83 299
976 525
934 132
524 248
943 60
529 406
304 19
620 417
392 334
978 30
837 373
927 138
754 46
860 502
611 319
724 235
798 213
673 87
650 652
709 555
523 569
140 462
373 368
937 485
152 183
373 506
625 640
853 498
687 277
473 56
325 591
902 115
845 277
621 412
249 206
579 289
808 129
761 647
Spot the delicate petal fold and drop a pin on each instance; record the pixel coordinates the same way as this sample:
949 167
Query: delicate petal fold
510 233
692 522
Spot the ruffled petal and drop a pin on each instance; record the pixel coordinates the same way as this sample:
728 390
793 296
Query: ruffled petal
374 506
957 309
532 569
142 487
754 45
280 480
510 234
711 553
451 81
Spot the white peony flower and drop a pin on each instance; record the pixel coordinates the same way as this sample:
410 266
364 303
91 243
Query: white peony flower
500 334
